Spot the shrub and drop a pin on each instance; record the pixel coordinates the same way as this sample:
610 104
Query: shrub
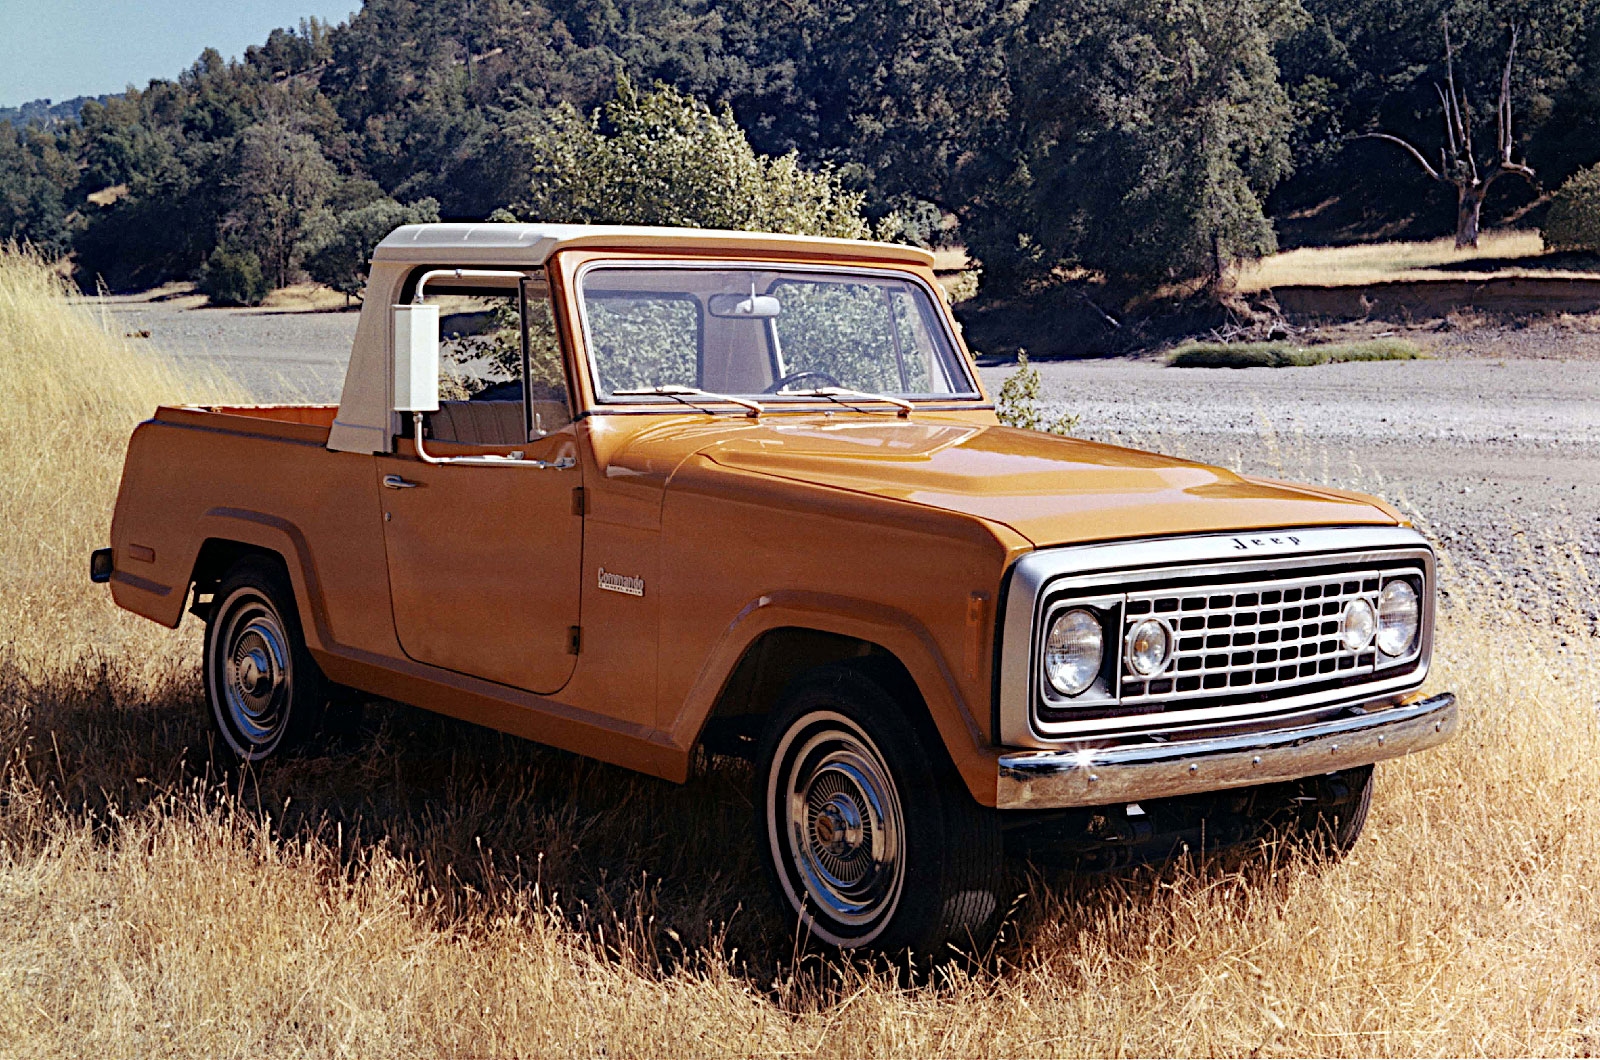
232 277
1017 404
1287 354
338 245
1573 222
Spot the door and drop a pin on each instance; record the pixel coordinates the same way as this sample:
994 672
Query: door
484 564
485 561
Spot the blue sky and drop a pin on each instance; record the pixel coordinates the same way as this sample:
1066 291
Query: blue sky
64 48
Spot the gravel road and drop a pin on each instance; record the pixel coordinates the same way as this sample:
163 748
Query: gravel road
276 355
1498 458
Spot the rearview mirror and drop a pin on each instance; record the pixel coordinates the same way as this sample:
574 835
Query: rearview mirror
755 306
416 358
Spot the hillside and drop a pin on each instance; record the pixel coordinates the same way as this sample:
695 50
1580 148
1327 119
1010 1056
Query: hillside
44 112
1048 139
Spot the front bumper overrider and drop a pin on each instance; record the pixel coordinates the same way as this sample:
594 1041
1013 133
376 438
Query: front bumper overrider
1104 776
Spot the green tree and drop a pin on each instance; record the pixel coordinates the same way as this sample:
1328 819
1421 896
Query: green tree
1140 142
34 178
1573 222
1355 66
280 180
663 158
232 276
893 92
338 246
162 227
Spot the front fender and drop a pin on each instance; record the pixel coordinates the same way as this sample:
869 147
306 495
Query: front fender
896 631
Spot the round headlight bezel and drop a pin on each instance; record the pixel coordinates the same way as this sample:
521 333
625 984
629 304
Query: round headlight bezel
1086 622
1169 641
1359 608
1398 587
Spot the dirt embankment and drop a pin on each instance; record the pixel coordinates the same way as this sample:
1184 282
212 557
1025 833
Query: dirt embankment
1412 300
1511 280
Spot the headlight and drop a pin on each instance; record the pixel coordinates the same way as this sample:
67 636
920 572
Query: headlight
1399 617
1357 625
1073 650
1149 647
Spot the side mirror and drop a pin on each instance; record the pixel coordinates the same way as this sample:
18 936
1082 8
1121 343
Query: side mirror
416 358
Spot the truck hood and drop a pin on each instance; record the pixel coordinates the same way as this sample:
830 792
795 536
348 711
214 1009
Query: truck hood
1051 490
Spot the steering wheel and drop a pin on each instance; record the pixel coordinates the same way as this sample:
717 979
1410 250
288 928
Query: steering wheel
793 377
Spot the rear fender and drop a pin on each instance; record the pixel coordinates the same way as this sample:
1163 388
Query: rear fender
256 531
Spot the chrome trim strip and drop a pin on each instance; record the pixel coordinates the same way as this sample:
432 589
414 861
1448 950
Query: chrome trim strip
514 459
1122 564
1112 775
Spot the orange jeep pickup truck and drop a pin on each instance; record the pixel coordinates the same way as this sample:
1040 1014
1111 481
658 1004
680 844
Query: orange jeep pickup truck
633 492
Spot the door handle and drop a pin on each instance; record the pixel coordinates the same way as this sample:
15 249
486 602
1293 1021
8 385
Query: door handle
395 482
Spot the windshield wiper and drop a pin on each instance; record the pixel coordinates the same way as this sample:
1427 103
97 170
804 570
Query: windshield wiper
839 393
683 393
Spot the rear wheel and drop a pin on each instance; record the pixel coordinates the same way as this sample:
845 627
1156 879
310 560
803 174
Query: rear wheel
265 692
870 837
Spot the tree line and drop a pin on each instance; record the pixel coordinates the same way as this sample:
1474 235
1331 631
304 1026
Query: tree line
1143 142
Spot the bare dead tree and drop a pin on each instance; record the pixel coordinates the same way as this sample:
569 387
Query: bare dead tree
1458 162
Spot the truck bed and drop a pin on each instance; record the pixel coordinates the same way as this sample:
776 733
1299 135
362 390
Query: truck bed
262 419
259 475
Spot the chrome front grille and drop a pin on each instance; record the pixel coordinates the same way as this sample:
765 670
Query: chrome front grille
1255 623
1252 636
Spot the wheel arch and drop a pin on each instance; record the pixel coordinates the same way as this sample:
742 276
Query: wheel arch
768 665
228 536
782 635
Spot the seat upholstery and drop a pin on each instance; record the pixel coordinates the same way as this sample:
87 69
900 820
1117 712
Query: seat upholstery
492 422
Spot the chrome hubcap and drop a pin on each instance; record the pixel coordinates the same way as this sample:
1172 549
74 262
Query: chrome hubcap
843 827
255 678
838 827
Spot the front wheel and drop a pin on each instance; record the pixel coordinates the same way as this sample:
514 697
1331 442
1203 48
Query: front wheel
870 838
1329 812
1337 813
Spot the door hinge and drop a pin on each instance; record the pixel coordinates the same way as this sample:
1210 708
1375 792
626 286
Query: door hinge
574 639
577 500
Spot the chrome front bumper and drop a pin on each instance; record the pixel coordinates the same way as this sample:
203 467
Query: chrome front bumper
1110 775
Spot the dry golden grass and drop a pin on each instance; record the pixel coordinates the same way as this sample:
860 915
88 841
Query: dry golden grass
307 296
1381 262
74 389
437 890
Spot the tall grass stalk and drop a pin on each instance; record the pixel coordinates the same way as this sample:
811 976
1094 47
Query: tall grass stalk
73 390
438 890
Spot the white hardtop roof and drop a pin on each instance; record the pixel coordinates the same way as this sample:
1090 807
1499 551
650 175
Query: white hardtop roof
532 244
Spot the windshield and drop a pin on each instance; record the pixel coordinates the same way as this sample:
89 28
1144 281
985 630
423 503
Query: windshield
766 332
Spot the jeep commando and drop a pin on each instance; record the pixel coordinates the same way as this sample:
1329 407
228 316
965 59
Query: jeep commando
635 492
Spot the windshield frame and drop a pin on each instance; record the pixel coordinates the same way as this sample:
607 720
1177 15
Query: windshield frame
602 404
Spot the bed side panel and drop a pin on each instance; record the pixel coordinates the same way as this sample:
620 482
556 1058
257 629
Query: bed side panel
202 476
